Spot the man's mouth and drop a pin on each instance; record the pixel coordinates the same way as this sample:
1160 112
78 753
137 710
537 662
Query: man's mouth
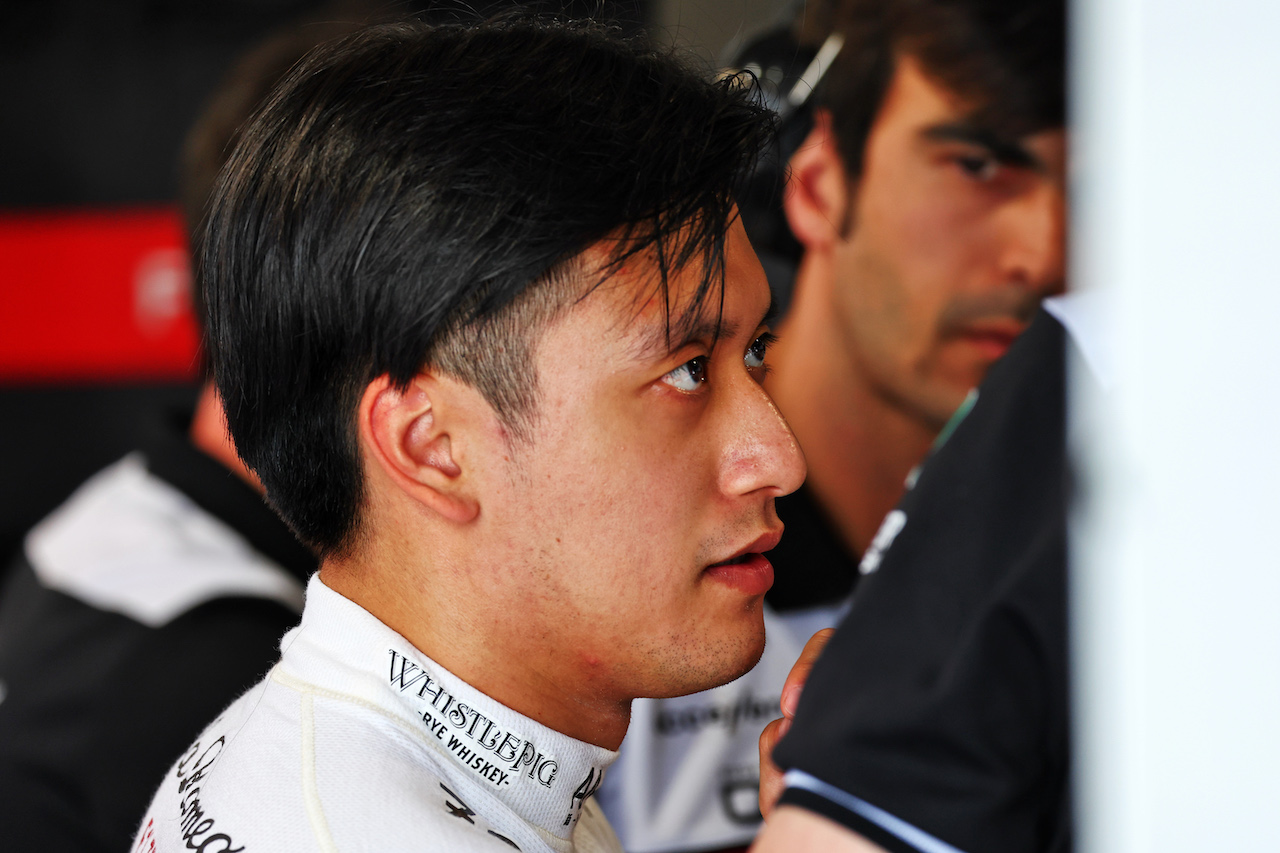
734 561
748 571
993 341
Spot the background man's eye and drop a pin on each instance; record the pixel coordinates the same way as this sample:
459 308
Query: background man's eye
979 167
688 376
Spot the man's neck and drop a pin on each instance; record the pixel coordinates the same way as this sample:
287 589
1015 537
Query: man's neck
209 434
481 645
859 446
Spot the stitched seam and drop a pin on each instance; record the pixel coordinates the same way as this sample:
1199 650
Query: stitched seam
307 688
310 793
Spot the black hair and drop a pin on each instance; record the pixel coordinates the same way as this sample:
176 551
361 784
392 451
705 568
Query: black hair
241 91
1006 57
411 187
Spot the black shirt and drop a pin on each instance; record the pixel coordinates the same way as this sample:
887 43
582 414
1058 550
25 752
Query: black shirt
940 706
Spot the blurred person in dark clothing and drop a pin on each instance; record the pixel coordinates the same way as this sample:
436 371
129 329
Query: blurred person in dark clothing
155 595
937 718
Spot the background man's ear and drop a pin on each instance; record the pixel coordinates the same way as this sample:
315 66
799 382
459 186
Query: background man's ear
406 434
818 195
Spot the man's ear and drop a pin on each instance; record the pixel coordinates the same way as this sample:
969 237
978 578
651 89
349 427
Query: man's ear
407 435
818 189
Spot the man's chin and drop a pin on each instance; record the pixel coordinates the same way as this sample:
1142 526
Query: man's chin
730 662
935 403
750 661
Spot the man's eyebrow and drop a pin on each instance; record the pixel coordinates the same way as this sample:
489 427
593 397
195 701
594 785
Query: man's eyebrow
656 342
1007 151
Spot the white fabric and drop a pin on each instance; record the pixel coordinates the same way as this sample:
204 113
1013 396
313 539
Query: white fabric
130 543
356 741
1084 316
688 773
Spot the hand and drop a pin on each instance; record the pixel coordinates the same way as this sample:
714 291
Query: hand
770 774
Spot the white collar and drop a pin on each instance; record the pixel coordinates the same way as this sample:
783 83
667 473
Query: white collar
540 774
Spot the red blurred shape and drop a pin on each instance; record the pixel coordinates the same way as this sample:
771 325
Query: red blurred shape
101 295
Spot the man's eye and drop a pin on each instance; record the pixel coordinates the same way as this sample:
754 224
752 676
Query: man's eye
979 167
688 376
755 354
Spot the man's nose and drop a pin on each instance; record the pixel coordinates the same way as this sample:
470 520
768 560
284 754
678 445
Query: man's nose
1033 240
762 454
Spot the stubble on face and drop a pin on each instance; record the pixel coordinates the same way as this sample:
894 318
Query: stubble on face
950 249
623 495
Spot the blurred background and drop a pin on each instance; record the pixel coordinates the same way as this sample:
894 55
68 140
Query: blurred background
97 341
1174 221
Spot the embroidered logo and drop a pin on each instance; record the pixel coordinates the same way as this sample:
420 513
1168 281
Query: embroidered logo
582 793
478 742
197 828
464 811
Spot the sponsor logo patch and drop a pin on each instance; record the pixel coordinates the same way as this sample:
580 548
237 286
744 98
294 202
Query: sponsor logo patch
477 742
198 829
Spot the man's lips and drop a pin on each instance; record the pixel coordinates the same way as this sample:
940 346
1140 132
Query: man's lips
748 571
991 339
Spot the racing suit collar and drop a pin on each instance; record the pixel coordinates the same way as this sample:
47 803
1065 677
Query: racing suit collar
544 776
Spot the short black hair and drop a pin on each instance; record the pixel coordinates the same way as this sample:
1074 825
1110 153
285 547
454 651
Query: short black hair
411 186
212 137
1007 57
242 89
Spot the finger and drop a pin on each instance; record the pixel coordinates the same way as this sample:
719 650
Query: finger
799 674
771 783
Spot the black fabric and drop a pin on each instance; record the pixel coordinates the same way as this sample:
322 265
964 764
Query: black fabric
942 699
812 565
871 831
96 706
99 96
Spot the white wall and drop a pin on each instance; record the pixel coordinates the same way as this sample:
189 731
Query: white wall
1177 573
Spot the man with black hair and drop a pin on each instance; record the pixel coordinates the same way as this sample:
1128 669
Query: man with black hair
489 333
924 224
